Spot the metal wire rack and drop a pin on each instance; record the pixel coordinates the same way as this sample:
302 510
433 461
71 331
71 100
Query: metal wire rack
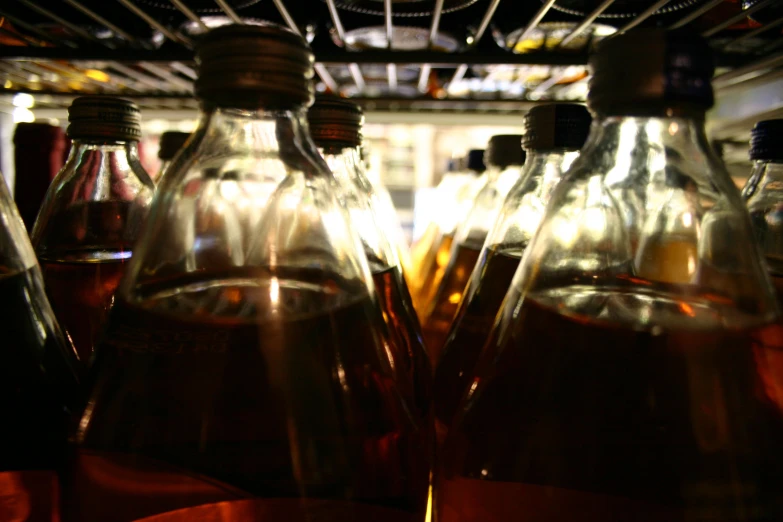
56 55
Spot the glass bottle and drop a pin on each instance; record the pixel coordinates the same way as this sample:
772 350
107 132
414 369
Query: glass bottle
88 223
39 387
430 255
387 214
554 133
170 143
243 373
763 195
633 373
504 158
335 126
390 221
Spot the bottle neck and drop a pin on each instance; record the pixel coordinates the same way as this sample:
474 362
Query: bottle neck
360 199
653 149
765 176
493 171
253 137
546 167
87 151
108 170
344 162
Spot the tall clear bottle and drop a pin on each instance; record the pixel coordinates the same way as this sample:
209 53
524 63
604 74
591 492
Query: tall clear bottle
92 214
763 195
505 158
554 133
430 255
170 143
243 375
632 375
387 215
39 386
335 126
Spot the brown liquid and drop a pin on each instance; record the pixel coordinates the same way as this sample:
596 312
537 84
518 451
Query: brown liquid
82 254
443 306
423 251
431 274
583 420
470 330
38 390
412 363
777 282
405 335
258 385
81 295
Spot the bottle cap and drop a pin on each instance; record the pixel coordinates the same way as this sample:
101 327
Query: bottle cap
556 126
104 118
647 71
505 150
254 66
476 160
170 143
766 140
334 121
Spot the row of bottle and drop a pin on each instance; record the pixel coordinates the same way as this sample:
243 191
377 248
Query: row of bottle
605 339
261 359
254 304
493 220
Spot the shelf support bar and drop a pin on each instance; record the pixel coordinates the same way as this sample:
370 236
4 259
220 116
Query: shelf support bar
743 73
579 29
229 12
737 18
338 24
391 69
685 20
426 69
104 22
356 74
76 29
493 5
644 15
755 32
193 17
133 8
289 20
31 28
534 22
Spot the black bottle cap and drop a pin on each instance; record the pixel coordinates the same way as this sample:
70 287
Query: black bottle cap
476 160
104 118
170 143
648 71
334 121
556 126
254 66
505 150
766 140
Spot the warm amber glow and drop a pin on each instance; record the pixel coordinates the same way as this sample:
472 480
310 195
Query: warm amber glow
97 75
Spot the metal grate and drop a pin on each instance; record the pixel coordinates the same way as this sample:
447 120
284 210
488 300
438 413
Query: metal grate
128 47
